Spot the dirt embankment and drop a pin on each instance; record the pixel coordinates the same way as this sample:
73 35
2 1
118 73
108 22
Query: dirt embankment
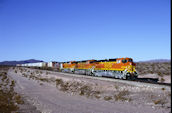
150 98
10 100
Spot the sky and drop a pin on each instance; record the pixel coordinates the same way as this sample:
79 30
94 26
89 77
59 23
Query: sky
65 30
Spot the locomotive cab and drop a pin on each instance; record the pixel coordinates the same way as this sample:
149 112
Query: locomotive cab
128 67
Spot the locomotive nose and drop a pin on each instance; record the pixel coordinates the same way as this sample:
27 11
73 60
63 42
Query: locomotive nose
133 64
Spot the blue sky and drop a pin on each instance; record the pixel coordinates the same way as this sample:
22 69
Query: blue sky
63 30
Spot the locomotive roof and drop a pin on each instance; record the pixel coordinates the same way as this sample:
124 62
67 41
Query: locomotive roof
92 61
105 60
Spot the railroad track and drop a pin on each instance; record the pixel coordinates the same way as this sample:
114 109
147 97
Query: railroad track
153 81
137 83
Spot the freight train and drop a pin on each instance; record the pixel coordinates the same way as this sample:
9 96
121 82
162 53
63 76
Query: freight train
122 68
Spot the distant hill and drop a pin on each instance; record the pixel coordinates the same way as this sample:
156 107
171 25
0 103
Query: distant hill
19 62
156 61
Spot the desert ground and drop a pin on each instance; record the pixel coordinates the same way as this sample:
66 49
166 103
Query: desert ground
160 70
54 92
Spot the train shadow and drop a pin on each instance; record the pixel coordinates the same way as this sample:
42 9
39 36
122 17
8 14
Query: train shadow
152 80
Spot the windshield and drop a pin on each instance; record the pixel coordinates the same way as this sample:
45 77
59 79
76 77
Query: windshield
130 60
124 61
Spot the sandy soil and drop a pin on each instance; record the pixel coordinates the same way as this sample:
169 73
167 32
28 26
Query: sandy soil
53 92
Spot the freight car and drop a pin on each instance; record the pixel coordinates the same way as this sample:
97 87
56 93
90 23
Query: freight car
53 64
44 65
123 68
38 64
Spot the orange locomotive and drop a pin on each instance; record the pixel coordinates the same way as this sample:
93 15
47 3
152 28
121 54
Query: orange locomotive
123 68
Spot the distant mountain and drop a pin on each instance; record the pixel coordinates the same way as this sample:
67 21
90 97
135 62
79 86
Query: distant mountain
157 60
20 62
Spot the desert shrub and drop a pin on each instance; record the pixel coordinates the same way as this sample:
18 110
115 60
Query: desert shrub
77 87
107 98
163 89
59 81
160 101
122 95
25 75
8 98
85 90
97 96
44 79
64 86
18 99
37 72
162 80
116 87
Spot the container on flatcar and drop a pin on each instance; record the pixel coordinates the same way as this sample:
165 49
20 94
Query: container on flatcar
53 64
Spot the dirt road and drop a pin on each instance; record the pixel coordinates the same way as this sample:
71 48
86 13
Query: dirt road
47 98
